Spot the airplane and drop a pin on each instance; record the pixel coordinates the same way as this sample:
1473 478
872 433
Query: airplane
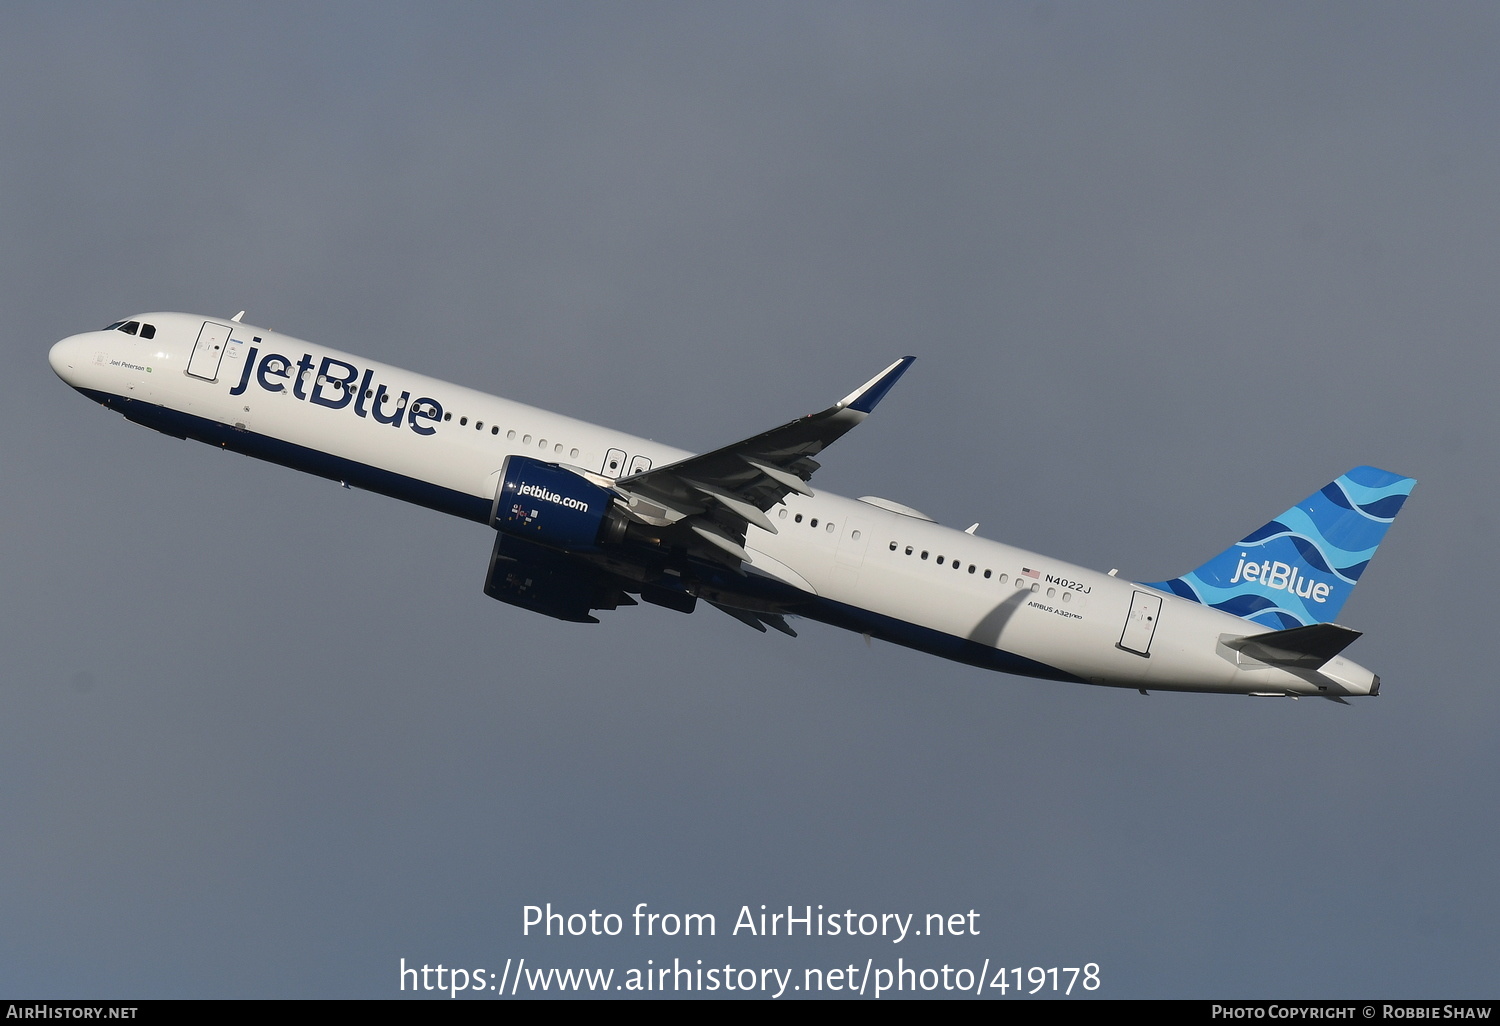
587 519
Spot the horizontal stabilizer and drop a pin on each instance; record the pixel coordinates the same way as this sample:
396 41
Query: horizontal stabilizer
1304 647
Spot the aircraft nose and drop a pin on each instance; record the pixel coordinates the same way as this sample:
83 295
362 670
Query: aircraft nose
66 358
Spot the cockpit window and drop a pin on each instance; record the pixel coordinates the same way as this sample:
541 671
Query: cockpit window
131 327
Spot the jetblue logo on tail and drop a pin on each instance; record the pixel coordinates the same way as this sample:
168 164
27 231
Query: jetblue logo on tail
1300 568
1281 577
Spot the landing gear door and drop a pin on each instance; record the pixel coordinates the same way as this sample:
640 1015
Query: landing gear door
204 363
1140 625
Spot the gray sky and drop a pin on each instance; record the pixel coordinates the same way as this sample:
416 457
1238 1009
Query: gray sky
1167 269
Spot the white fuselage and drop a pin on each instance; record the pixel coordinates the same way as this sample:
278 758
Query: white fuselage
855 563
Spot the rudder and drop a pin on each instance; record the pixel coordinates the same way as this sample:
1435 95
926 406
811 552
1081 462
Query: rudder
1300 568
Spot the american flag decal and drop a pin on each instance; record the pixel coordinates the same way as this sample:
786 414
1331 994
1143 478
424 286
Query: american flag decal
1031 573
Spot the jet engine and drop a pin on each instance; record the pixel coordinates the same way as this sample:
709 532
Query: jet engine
550 505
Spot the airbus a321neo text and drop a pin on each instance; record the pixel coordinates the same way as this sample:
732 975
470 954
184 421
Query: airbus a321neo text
586 518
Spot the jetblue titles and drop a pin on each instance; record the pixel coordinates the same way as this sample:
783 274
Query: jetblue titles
1282 577
547 495
334 386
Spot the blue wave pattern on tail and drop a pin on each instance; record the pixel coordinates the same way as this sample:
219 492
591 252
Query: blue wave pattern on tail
1300 568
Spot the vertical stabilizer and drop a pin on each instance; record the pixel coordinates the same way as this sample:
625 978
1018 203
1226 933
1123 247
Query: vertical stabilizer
1300 568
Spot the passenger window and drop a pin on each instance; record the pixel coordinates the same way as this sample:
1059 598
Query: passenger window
940 561
798 518
908 550
924 553
971 568
814 522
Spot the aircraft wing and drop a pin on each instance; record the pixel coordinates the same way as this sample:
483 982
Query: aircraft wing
716 495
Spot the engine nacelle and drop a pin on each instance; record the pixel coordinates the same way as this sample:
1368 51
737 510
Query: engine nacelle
546 504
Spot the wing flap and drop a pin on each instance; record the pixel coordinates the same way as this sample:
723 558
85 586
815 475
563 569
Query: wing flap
732 487
758 620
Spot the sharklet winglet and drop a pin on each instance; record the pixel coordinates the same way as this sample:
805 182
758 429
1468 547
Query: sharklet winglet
864 398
